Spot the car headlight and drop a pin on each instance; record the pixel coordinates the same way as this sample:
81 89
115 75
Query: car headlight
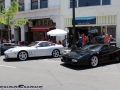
61 57
74 60
10 50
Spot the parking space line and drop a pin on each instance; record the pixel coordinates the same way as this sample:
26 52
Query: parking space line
7 66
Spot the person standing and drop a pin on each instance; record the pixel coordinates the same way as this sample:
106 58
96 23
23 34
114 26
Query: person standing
83 40
107 40
111 38
79 41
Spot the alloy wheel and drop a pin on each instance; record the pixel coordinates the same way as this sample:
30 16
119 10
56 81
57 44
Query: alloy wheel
94 61
23 55
55 53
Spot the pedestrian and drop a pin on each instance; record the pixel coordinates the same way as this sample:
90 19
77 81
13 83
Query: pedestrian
111 38
79 41
107 40
83 40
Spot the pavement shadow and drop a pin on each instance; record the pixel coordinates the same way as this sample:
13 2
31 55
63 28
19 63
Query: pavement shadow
33 58
86 67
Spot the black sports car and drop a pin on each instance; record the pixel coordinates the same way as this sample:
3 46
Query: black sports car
6 46
92 55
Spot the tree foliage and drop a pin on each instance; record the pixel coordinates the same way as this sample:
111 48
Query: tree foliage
7 15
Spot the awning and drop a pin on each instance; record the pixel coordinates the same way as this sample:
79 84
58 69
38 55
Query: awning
85 18
41 28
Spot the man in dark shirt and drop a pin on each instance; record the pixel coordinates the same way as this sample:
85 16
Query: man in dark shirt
80 41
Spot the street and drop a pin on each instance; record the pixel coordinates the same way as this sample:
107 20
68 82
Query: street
52 74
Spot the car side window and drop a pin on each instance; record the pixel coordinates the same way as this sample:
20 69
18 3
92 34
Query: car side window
43 44
51 44
104 48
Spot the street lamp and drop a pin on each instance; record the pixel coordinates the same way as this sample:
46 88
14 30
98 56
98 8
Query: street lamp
73 47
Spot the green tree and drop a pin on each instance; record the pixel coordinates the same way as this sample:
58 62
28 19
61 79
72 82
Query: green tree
8 14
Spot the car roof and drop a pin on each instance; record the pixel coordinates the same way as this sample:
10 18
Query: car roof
42 41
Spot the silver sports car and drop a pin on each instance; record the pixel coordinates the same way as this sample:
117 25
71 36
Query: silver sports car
37 48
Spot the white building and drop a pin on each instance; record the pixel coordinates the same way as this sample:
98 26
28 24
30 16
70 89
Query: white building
103 15
43 15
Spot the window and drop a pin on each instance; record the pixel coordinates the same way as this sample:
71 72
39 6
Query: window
3 2
71 3
34 4
43 44
82 3
43 3
105 2
22 5
13 0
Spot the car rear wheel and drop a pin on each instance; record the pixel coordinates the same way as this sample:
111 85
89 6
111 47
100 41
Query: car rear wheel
22 55
94 61
56 53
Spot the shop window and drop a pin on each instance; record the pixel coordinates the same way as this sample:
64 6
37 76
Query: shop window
22 5
43 3
105 2
34 4
71 3
111 30
82 3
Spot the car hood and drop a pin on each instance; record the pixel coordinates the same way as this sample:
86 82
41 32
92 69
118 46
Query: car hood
23 48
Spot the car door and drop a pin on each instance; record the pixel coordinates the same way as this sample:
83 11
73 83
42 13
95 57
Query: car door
113 53
104 54
42 49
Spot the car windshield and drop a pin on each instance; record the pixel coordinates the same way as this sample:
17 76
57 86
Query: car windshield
33 44
91 47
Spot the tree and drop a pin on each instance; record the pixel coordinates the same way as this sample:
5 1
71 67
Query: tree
7 16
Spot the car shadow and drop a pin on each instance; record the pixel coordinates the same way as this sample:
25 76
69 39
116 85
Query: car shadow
29 59
86 67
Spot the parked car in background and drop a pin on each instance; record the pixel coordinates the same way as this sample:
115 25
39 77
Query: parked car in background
6 46
92 55
36 49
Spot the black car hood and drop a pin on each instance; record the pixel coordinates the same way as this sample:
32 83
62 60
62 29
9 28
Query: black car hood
78 53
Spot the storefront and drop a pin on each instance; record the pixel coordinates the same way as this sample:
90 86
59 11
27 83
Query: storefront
94 25
38 28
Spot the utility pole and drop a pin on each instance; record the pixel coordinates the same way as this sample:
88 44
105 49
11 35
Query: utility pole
74 47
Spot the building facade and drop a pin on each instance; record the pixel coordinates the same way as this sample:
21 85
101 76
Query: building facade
95 16
43 15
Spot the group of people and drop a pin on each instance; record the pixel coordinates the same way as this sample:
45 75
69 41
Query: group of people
52 39
83 40
108 39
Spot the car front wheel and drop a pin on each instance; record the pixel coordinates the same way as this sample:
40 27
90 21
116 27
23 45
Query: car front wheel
94 61
55 53
22 55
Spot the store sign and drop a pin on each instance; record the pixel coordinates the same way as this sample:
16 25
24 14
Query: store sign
85 20
2 26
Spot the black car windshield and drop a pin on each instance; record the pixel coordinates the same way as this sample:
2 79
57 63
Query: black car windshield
33 44
91 47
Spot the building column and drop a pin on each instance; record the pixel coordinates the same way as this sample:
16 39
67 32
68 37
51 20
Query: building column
13 35
22 33
24 29
57 20
118 31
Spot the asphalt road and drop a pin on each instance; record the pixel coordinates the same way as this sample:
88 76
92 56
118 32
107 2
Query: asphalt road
52 74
